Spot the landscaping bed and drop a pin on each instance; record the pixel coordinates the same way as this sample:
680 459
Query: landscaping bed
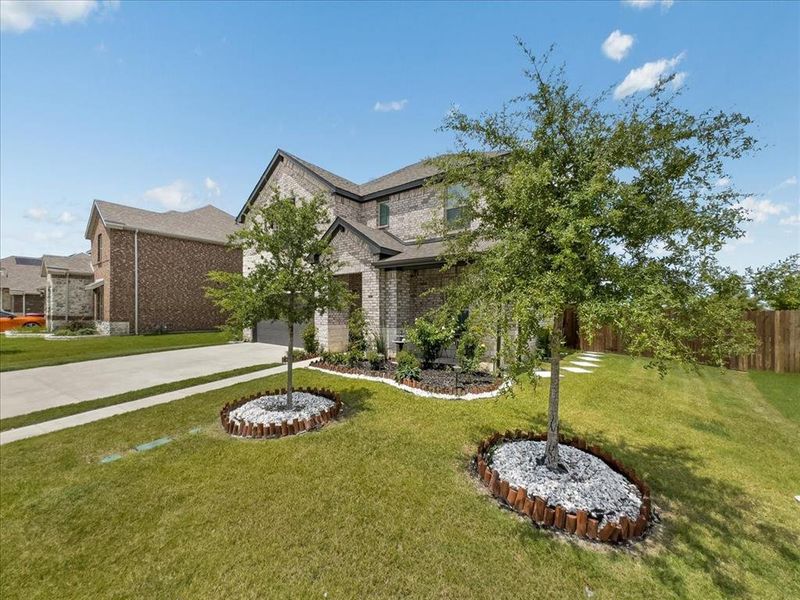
265 414
591 495
436 381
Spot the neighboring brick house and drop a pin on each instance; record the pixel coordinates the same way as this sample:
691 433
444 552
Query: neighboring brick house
66 296
374 230
150 268
22 285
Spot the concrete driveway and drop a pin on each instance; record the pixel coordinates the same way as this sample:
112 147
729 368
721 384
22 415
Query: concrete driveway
30 390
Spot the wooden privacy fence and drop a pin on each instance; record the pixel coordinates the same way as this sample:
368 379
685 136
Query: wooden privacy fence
777 331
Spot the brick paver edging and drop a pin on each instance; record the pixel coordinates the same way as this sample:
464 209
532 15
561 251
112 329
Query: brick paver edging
544 515
246 429
415 387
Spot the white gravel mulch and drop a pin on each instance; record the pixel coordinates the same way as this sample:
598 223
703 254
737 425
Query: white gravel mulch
589 484
272 409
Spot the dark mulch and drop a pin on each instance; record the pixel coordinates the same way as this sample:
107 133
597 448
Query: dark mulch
439 377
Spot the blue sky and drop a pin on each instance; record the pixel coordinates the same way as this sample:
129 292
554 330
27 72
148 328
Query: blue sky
175 105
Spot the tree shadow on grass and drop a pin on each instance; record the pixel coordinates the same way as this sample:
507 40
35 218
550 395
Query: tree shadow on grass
709 525
709 522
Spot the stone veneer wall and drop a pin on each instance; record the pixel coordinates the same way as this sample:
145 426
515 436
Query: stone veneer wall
67 300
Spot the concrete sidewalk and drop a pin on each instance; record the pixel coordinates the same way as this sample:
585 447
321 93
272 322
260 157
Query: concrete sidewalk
29 431
29 390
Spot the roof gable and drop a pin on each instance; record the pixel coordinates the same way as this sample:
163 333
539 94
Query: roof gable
380 242
206 224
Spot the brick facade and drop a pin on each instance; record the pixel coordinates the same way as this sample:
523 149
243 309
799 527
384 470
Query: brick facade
172 277
409 212
391 298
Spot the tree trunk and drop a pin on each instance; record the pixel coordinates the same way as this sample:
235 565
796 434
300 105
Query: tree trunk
290 354
551 448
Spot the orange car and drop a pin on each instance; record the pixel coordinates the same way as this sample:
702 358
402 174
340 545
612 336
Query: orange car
11 321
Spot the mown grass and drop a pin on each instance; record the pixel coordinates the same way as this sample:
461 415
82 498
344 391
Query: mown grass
73 409
17 353
382 504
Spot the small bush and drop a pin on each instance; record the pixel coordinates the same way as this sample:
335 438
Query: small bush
430 337
335 358
298 355
310 343
354 358
376 360
75 328
357 331
407 366
380 343
470 351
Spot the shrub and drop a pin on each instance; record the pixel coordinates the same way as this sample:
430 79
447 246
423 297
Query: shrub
310 343
376 360
357 331
470 351
407 366
430 337
298 355
334 358
354 358
380 342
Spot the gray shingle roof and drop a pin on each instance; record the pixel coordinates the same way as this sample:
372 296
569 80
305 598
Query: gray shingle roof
382 242
407 177
208 223
77 264
412 173
21 274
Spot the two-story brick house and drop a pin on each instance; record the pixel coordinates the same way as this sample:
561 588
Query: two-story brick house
150 268
374 229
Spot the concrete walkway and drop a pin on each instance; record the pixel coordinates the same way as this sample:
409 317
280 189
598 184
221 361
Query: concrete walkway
585 361
29 390
29 431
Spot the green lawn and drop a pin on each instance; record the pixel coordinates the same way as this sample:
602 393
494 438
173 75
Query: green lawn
382 505
72 409
16 353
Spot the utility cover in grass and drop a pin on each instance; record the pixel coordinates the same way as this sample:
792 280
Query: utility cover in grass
272 409
586 483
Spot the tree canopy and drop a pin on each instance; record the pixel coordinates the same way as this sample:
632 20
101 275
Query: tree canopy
293 275
777 286
611 208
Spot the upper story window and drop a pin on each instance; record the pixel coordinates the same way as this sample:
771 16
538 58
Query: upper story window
99 247
383 214
454 205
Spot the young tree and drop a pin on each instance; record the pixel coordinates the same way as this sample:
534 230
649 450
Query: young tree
777 285
609 207
293 276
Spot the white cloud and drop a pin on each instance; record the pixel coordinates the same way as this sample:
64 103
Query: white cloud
36 214
212 186
65 217
174 196
641 4
22 15
791 220
723 182
390 106
791 181
732 245
48 236
760 210
678 80
617 45
648 76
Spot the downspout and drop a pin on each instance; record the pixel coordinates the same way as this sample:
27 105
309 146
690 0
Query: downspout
67 303
136 282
